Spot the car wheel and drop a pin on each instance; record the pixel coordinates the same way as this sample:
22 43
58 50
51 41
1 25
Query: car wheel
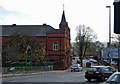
99 79
89 79
102 78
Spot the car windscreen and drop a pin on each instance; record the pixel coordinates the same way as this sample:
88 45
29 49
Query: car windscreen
92 69
75 65
105 69
98 69
118 78
115 77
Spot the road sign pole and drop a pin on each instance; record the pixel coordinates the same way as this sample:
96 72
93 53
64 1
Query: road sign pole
118 59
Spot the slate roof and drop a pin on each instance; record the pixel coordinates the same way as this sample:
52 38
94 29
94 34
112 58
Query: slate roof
30 30
63 19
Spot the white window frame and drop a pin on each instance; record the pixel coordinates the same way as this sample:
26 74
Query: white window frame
55 46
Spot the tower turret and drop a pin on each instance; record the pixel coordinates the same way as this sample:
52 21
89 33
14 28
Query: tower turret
63 22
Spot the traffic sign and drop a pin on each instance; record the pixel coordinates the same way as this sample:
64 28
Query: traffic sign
117 16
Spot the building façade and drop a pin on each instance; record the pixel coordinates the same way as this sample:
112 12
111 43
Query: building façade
57 41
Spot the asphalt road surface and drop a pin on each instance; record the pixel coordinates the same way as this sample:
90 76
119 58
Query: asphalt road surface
58 76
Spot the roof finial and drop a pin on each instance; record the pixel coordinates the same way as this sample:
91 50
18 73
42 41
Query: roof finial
63 6
63 19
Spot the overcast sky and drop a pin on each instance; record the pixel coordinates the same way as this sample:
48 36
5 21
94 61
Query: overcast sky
91 13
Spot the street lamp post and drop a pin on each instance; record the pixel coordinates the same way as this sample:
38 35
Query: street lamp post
28 58
109 24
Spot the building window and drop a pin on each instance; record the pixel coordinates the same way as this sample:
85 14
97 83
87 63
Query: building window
55 46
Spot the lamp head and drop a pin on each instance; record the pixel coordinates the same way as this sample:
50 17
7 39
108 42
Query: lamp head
108 6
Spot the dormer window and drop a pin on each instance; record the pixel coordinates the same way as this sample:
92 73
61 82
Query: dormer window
55 45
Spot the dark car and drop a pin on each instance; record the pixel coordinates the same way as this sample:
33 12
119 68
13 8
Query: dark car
88 64
100 73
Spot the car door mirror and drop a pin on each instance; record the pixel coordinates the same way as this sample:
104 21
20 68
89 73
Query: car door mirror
114 70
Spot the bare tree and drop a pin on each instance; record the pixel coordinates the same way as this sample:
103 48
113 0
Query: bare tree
85 35
118 39
116 42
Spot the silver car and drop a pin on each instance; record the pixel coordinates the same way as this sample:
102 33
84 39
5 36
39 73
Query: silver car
114 78
76 67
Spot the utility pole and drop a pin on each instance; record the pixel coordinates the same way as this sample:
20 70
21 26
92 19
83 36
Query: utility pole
109 44
109 25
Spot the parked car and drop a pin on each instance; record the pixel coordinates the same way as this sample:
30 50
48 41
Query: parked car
88 64
114 78
76 67
93 60
100 73
114 63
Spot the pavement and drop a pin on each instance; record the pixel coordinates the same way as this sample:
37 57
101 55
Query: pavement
31 73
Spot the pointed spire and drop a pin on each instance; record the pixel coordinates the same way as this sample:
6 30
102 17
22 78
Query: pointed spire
63 19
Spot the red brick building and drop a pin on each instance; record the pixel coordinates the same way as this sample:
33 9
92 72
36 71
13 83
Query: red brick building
57 40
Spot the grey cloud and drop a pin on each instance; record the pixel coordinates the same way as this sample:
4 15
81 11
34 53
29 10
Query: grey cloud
4 12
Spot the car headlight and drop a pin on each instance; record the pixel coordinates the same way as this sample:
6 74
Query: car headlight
97 72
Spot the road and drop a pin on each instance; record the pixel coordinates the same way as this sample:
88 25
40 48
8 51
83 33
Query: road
61 76
58 76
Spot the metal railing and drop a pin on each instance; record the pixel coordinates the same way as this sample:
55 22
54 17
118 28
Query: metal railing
12 71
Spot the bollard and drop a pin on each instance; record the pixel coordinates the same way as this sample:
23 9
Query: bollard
48 67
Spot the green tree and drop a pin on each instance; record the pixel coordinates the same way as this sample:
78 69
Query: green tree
15 49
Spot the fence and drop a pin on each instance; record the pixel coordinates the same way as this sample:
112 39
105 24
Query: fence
10 71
